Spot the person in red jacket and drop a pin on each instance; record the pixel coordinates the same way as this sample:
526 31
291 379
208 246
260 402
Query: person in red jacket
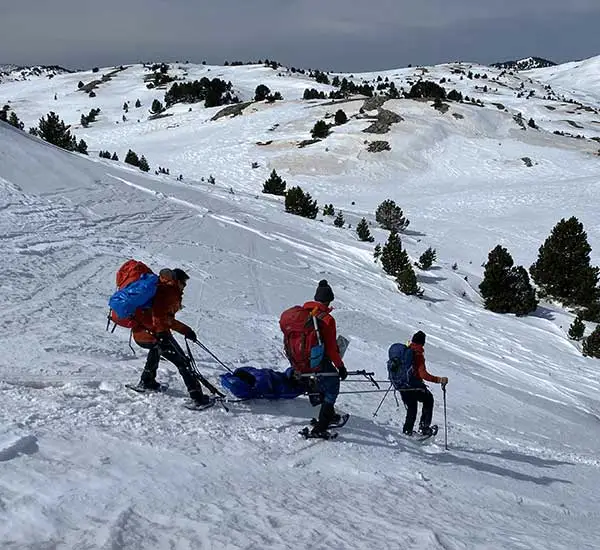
328 386
418 392
152 331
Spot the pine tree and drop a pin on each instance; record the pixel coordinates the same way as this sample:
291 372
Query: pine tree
577 329
114 156
261 92
53 130
591 344
13 120
320 130
340 117
82 147
328 210
339 219
4 113
274 185
143 164
363 232
393 258
157 107
505 288
126 107
407 282
390 216
524 300
563 269
300 203
138 104
132 158
427 258
377 252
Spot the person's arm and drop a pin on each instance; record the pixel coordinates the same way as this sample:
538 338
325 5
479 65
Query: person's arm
328 332
421 371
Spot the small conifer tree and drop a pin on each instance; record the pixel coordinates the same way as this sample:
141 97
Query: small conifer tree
114 156
427 258
53 130
407 282
328 210
393 258
339 219
320 130
82 147
390 216
143 164
563 269
13 120
300 203
132 158
157 107
363 232
591 344
377 252
505 288
275 185
138 104
577 329
340 117
261 92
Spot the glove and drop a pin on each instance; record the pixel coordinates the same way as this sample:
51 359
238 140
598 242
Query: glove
342 372
191 335
443 380
163 337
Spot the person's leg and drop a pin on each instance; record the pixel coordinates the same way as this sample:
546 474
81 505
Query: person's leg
330 388
148 378
410 402
173 353
425 397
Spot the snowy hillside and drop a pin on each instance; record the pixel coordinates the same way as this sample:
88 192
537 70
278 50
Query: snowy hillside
525 64
87 464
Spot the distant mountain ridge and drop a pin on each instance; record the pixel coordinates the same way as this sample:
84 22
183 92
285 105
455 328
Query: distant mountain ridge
14 72
525 64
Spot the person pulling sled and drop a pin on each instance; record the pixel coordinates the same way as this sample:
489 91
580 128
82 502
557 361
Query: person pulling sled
147 303
407 373
309 338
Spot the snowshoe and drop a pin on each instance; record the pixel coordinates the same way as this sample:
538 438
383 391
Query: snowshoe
141 388
194 405
312 434
339 420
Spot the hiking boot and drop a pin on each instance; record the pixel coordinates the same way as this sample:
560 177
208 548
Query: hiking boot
199 398
336 418
151 385
407 432
426 430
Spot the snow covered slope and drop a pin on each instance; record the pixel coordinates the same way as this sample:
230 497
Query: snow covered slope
86 464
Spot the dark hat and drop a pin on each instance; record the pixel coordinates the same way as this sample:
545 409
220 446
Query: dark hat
419 338
324 294
180 275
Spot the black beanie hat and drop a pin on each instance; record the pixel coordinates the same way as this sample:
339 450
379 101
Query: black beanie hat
419 338
180 275
324 294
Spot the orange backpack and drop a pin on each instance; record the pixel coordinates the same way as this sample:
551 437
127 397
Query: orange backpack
128 273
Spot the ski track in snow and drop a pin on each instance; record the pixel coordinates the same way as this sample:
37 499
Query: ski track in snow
85 463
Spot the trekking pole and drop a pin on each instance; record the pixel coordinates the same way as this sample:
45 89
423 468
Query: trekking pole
445 419
201 345
382 400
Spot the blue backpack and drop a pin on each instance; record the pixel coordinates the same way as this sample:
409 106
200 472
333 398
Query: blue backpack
400 366
138 294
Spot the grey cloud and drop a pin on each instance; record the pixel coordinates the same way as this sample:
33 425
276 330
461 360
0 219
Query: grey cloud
333 34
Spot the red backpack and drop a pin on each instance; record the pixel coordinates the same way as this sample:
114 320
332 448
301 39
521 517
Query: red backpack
301 339
128 273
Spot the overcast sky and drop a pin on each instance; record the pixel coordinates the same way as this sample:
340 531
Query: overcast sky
342 35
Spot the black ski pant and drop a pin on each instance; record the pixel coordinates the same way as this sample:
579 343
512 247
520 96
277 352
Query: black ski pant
411 400
172 352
